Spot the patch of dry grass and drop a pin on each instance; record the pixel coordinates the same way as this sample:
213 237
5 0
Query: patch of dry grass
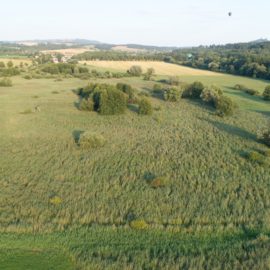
161 68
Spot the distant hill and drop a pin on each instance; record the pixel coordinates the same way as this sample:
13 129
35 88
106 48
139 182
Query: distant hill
260 40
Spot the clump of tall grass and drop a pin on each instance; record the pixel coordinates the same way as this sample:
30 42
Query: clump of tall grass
89 139
138 224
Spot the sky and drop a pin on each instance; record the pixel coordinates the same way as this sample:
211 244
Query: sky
153 22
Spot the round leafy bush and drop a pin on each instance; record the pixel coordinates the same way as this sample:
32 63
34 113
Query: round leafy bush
266 93
145 107
109 100
91 140
135 71
86 104
174 80
127 89
211 94
172 94
224 106
193 90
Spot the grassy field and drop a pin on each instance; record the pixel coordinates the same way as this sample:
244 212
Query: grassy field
71 51
213 212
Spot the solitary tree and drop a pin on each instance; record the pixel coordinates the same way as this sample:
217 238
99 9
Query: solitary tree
149 73
266 93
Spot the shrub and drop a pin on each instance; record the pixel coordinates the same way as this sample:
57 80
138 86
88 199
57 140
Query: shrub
86 104
266 93
108 100
145 107
193 90
138 224
6 82
174 80
91 140
224 106
135 71
211 94
149 73
172 94
127 89
10 72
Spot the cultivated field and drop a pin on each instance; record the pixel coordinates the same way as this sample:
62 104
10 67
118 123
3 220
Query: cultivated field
70 208
126 49
70 52
16 61
161 68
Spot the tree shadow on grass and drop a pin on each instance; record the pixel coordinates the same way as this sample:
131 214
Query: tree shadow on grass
232 130
247 96
134 108
265 113
76 135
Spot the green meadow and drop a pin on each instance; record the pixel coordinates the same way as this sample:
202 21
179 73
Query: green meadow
64 207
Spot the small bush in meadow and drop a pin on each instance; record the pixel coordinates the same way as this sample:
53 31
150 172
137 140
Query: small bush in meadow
172 94
91 140
86 104
6 82
149 74
211 94
174 80
266 93
138 224
109 100
193 90
135 71
224 106
127 89
55 92
145 107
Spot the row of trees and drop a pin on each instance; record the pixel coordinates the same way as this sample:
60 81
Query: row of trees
250 59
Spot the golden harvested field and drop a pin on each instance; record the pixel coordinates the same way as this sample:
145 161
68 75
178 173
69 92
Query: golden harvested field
16 62
70 52
161 68
126 49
